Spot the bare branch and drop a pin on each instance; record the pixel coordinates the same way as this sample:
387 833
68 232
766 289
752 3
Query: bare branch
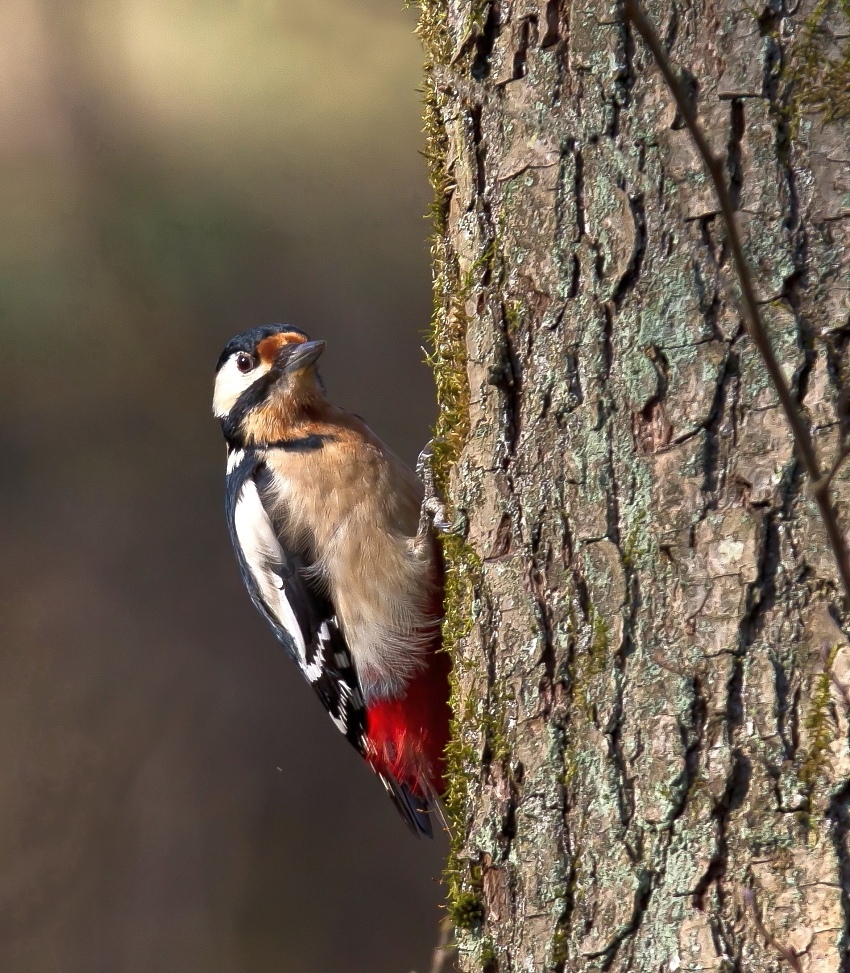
446 951
825 482
752 316
787 954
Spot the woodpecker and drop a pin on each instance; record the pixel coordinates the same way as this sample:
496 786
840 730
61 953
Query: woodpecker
334 538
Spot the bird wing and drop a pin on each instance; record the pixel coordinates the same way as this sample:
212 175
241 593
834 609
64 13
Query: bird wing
302 619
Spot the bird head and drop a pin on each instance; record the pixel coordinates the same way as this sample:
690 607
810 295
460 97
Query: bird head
263 377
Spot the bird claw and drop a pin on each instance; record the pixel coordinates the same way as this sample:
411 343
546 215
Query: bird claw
433 510
424 469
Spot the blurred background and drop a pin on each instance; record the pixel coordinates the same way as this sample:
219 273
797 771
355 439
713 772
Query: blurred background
172 797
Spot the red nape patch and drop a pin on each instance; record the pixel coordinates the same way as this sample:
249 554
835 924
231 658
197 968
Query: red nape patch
269 347
409 734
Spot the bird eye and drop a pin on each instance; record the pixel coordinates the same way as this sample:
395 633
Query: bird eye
244 362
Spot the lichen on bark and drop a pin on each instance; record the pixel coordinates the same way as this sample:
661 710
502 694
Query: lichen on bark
649 648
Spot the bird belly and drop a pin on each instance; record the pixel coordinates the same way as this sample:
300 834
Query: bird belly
381 586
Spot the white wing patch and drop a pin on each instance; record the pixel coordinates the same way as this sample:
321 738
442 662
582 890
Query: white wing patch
262 554
234 458
314 669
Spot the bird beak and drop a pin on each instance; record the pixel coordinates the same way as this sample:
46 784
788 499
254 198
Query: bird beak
303 355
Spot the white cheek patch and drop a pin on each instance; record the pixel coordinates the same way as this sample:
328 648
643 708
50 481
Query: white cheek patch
230 383
262 554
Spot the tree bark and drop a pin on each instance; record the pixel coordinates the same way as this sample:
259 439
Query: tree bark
650 766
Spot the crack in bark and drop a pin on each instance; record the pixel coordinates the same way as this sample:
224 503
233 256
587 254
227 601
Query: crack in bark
838 814
734 153
692 740
485 42
733 796
837 345
722 410
543 614
475 111
633 272
551 33
614 731
642 896
652 876
782 690
504 374
520 61
578 190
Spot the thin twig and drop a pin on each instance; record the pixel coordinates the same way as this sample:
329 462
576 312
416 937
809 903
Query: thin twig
825 482
785 952
752 316
446 951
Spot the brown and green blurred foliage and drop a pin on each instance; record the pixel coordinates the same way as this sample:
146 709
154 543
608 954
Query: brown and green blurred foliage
172 172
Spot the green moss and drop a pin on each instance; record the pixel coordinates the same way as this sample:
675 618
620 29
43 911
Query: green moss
558 948
488 955
494 725
570 769
819 83
816 721
463 569
467 910
591 663
462 884
462 757
448 319
448 361
598 643
513 315
638 543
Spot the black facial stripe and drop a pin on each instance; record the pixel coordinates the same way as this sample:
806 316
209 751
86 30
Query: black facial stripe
307 444
249 399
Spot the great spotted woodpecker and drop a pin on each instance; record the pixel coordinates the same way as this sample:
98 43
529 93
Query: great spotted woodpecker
337 550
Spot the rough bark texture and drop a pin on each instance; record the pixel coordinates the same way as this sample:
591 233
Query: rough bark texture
650 769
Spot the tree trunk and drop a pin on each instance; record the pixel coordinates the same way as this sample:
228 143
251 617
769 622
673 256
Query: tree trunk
650 763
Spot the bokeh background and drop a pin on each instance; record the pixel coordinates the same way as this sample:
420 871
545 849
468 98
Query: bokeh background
172 797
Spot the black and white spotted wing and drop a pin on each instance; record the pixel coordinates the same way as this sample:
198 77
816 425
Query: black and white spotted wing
301 617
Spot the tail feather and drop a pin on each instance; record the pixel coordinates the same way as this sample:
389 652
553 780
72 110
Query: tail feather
404 742
415 810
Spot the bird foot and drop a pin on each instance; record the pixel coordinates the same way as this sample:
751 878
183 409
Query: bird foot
433 511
